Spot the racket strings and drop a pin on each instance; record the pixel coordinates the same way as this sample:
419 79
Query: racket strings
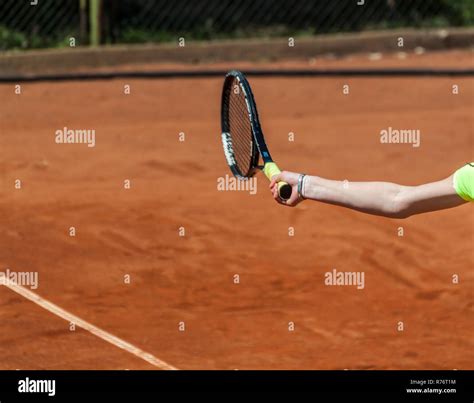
240 129
243 142
240 124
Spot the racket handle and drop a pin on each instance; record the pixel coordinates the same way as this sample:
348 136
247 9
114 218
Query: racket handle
271 169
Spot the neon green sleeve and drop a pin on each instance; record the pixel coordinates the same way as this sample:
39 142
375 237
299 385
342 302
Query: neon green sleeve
464 182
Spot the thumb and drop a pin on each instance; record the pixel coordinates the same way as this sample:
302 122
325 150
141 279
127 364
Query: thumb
275 179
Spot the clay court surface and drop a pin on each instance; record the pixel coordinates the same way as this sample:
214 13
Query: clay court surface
191 278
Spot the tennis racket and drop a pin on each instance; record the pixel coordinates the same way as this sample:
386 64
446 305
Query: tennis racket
242 136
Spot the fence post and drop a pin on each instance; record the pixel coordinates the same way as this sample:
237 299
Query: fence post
83 21
94 18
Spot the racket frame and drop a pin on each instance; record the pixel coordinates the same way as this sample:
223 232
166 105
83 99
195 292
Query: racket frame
259 146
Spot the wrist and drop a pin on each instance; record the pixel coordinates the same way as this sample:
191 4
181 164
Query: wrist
307 188
300 186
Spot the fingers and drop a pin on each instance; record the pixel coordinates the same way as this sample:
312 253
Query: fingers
273 188
275 193
291 202
275 179
294 198
276 196
292 179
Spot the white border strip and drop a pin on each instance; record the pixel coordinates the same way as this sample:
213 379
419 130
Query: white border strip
110 338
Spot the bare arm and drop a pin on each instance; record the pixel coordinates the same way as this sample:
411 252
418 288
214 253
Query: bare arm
378 198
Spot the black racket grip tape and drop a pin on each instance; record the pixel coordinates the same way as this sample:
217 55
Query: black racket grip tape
285 191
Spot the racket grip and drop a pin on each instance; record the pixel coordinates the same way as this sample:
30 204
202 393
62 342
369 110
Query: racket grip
271 169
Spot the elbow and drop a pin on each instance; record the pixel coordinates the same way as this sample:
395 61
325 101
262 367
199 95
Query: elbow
400 207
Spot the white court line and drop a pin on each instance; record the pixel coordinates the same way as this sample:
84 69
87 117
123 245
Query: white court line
110 338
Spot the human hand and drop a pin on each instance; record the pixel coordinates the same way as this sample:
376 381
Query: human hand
292 179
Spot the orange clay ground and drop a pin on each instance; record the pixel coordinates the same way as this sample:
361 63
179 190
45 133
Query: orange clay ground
190 279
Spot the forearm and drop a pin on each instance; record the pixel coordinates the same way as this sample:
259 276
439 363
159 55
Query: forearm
383 198
370 197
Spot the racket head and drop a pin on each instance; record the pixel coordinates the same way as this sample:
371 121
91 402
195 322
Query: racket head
239 123
242 136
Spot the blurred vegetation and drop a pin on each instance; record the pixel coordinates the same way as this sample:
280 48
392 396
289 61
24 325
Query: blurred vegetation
144 21
11 39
